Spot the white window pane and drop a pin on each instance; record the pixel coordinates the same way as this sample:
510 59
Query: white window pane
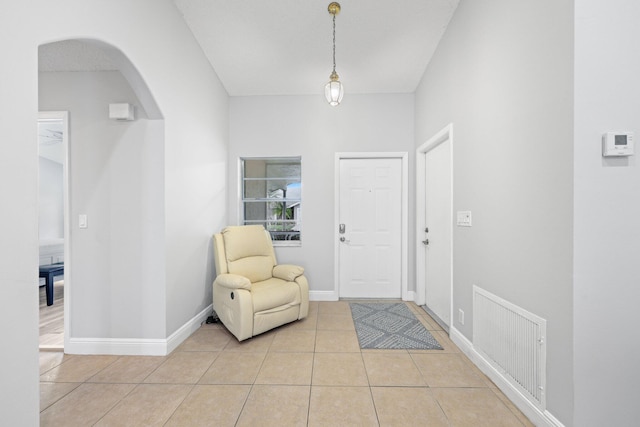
272 196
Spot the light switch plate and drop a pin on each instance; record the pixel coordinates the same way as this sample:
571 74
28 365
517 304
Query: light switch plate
82 221
464 219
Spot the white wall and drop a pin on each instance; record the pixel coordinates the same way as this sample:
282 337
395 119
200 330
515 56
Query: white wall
116 174
152 34
196 139
503 76
307 126
607 204
19 404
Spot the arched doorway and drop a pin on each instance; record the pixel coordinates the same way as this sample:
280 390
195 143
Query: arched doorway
114 187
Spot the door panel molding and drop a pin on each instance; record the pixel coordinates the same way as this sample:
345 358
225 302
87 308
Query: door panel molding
403 156
444 135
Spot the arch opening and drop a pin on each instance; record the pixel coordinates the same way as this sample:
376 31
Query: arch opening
115 185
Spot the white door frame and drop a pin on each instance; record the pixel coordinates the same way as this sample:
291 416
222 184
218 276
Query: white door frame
403 216
444 135
66 206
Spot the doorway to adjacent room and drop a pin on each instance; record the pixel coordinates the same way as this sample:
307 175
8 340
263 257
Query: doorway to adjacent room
434 223
53 226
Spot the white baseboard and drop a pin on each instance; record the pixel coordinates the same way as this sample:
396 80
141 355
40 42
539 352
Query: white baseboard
185 331
534 414
136 346
323 296
333 296
116 346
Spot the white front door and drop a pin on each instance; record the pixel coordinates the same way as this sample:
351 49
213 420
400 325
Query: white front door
370 214
437 232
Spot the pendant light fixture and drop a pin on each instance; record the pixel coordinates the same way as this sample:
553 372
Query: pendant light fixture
334 91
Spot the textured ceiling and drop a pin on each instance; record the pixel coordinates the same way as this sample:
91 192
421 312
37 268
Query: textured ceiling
73 55
284 47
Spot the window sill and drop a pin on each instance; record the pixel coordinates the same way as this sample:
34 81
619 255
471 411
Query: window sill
286 243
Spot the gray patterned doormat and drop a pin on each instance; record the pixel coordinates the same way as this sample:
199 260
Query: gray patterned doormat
390 325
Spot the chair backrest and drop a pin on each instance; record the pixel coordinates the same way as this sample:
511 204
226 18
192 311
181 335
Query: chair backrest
248 251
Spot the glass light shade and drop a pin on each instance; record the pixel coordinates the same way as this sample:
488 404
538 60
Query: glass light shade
334 91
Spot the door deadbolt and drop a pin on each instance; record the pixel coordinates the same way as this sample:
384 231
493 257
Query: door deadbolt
341 228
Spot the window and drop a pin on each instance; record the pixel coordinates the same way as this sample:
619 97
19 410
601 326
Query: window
271 196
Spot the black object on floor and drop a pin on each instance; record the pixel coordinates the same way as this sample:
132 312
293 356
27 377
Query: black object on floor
213 318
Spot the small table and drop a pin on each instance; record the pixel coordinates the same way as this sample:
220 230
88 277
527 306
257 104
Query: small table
49 272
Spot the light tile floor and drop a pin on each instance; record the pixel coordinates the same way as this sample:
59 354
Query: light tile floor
307 373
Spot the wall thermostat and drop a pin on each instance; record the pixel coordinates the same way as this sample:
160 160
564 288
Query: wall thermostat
617 144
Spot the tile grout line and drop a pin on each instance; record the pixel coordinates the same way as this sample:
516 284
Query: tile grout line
119 400
271 350
193 386
253 383
313 364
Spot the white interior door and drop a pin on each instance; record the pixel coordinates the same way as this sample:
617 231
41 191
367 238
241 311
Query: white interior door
370 210
437 233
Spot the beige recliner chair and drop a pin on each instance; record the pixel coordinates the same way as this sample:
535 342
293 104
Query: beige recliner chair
252 293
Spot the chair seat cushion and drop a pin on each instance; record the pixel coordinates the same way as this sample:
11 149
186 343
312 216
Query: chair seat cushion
273 293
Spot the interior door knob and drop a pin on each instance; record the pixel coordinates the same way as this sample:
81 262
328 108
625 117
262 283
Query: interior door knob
426 242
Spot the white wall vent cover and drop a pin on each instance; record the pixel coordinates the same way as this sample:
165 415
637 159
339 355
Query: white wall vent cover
513 341
123 112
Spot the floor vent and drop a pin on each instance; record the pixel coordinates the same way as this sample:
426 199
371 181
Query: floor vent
513 341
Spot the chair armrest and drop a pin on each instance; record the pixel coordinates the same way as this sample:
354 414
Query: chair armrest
287 272
233 281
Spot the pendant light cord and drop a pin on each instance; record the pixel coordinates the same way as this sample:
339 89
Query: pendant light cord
334 42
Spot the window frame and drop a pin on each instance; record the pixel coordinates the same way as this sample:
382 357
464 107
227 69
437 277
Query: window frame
297 201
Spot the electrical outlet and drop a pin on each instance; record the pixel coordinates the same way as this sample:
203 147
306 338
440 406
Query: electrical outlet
461 316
